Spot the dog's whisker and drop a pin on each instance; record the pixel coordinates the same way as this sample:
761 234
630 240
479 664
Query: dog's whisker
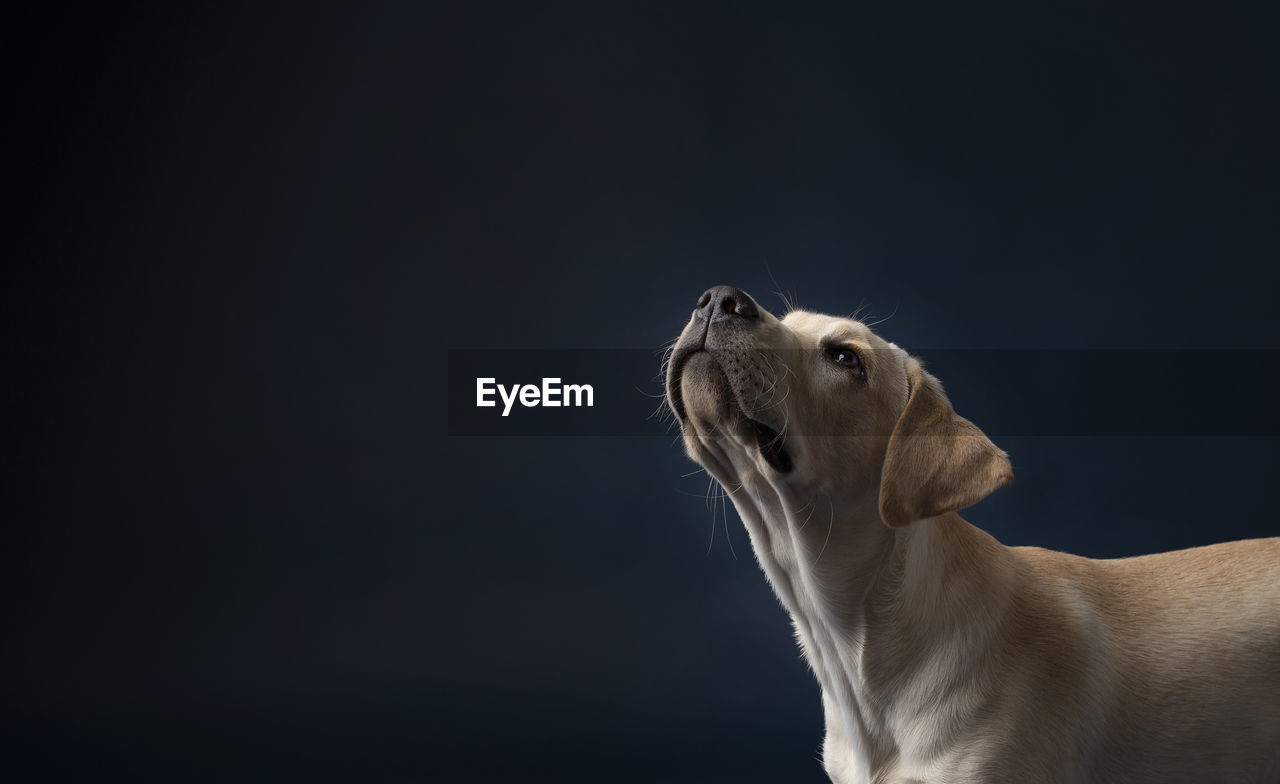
877 322
661 412
812 506
702 496
724 512
788 302
711 542
830 525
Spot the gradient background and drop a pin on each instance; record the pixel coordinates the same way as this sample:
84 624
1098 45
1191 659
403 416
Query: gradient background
243 545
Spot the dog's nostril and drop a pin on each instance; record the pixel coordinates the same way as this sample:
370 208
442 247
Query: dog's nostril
719 302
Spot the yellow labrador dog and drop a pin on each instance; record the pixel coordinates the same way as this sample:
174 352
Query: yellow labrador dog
944 656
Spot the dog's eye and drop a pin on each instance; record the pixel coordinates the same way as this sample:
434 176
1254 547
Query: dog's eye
845 357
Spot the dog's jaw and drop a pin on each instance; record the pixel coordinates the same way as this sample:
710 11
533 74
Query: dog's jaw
717 394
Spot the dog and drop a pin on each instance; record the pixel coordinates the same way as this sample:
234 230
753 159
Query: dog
943 655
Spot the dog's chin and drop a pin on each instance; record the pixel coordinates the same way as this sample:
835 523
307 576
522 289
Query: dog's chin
711 406
705 395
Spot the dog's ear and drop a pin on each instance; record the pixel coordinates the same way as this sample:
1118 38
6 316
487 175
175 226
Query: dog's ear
937 461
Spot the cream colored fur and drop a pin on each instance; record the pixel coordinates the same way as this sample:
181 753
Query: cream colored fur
944 656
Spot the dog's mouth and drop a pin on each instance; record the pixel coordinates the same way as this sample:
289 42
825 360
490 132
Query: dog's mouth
727 408
769 442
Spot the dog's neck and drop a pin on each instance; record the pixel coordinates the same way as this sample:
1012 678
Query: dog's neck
866 601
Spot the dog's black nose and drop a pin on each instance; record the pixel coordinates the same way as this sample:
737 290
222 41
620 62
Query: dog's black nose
723 302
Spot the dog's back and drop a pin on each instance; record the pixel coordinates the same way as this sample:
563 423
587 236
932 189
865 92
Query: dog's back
1188 644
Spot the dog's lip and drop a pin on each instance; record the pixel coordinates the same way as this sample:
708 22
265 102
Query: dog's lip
679 358
768 440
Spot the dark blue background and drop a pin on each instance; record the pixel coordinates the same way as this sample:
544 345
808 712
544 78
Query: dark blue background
245 239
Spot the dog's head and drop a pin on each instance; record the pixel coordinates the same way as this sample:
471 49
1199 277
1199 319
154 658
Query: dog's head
823 403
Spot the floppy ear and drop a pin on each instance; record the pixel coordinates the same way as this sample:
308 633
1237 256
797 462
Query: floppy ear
937 461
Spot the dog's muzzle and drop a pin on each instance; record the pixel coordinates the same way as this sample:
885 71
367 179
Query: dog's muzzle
722 333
